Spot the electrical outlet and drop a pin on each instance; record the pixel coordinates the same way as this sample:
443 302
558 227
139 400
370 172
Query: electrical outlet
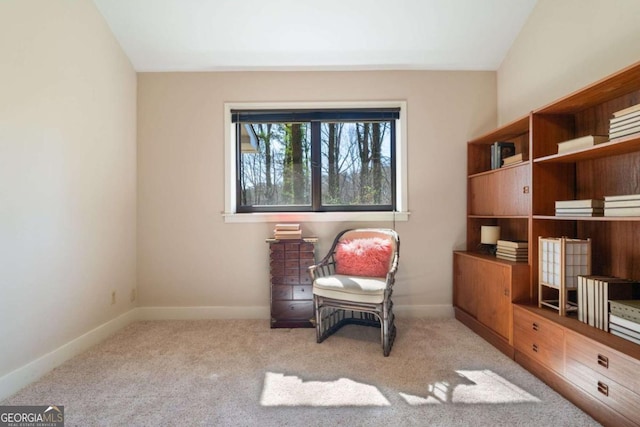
134 294
113 297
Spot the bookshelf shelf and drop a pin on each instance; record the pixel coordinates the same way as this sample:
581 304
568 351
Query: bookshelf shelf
521 200
588 218
502 169
499 216
614 147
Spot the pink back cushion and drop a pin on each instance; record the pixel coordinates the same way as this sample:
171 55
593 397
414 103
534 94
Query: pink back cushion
363 257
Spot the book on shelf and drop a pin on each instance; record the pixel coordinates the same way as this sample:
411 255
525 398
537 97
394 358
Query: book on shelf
626 211
580 143
515 159
286 234
622 197
581 292
579 211
625 336
513 243
500 150
591 302
622 203
624 125
512 251
512 259
287 227
627 309
287 231
513 254
595 292
624 132
585 203
628 110
622 332
625 323
615 289
626 331
625 118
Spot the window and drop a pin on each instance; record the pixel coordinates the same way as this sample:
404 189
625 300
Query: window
314 160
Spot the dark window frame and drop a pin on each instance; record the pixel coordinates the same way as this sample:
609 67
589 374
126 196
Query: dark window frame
316 117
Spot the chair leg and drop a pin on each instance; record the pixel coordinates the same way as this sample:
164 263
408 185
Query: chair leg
316 309
388 327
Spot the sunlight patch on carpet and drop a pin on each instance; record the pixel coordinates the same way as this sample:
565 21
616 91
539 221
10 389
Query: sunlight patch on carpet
472 387
290 390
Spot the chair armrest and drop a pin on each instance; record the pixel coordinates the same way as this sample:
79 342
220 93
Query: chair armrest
325 267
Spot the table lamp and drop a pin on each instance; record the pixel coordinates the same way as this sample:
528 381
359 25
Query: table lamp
489 235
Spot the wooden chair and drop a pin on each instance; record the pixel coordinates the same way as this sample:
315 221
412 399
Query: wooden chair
353 283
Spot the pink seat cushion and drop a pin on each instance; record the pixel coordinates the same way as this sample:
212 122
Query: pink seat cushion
363 257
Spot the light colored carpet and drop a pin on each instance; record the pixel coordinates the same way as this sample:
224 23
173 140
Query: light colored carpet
242 373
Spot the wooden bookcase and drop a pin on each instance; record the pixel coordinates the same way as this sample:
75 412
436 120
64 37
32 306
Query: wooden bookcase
485 286
521 200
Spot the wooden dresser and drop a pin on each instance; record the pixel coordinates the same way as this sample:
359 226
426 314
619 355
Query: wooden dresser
291 289
592 368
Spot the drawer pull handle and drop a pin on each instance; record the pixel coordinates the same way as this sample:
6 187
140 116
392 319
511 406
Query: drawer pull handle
603 361
534 347
535 326
603 388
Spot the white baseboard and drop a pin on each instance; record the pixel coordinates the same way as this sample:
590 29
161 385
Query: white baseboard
21 377
24 375
424 311
264 312
211 312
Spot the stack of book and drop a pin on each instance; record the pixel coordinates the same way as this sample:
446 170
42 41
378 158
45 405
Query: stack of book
500 151
594 294
580 143
514 160
626 205
513 250
625 122
287 231
624 319
587 207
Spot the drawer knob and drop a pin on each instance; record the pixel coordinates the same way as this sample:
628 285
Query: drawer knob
534 347
535 326
603 361
603 388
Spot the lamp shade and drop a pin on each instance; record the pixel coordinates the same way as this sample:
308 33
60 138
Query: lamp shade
489 234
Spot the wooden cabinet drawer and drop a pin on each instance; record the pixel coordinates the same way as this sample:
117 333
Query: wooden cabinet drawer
608 391
604 360
292 310
302 292
539 339
281 292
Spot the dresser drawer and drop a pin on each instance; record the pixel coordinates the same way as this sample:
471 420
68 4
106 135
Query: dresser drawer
281 292
302 292
604 360
539 339
608 391
301 310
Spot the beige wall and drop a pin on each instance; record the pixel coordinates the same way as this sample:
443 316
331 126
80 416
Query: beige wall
67 176
564 46
188 256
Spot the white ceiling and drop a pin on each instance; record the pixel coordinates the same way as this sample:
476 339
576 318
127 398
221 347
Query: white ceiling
202 35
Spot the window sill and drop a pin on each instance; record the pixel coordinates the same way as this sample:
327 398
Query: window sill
315 217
